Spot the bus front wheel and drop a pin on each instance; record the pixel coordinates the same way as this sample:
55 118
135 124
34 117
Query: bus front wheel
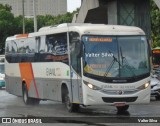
122 108
72 107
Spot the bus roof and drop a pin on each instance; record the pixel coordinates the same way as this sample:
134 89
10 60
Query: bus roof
84 28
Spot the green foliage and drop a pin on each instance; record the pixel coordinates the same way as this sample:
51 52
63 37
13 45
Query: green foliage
6 24
5 7
155 26
66 18
10 25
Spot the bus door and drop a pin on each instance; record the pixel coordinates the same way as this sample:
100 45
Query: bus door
75 66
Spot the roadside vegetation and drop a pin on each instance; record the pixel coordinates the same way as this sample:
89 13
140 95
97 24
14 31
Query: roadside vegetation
155 25
10 25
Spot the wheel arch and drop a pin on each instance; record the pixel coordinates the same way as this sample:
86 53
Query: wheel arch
65 87
23 84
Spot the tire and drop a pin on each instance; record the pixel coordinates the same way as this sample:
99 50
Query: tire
157 97
71 107
122 108
27 100
35 101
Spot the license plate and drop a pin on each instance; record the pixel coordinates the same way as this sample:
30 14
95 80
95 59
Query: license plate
120 104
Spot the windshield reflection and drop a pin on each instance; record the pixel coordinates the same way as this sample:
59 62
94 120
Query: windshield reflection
115 57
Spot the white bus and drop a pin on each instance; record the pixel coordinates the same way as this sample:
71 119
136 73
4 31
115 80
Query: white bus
80 64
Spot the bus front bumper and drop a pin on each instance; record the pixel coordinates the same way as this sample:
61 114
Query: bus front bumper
95 97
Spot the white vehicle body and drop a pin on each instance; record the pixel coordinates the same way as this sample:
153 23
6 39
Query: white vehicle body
47 75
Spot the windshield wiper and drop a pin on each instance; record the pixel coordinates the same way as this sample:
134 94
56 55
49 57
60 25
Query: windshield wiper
128 66
111 64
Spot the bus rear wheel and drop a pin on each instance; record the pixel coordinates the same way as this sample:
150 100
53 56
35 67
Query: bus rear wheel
72 107
27 100
122 108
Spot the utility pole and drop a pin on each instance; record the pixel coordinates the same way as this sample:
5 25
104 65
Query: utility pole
23 16
35 18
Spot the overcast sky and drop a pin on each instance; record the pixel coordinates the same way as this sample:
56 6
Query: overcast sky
73 5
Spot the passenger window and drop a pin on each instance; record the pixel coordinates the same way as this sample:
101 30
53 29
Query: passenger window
56 47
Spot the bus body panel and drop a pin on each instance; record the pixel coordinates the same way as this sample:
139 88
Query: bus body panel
13 85
46 84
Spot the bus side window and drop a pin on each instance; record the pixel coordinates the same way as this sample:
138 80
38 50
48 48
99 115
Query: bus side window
7 51
13 53
57 44
57 47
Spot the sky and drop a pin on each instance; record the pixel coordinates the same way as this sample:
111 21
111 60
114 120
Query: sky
73 5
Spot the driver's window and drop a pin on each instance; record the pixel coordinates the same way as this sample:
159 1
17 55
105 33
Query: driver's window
74 40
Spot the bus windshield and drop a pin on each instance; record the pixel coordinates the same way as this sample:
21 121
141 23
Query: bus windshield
115 56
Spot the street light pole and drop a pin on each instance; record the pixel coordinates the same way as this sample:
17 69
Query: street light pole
34 14
23 16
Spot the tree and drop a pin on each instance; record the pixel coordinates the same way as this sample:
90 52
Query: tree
155 25
10 25
5 7
6 24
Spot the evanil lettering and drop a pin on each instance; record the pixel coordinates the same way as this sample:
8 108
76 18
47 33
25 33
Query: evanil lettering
50 72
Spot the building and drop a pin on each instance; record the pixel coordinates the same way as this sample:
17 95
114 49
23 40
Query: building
116 12
43 7
157 2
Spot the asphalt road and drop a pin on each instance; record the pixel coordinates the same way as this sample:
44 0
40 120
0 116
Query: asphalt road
13 106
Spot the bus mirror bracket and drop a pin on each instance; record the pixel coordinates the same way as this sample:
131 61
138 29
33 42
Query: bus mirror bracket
79 49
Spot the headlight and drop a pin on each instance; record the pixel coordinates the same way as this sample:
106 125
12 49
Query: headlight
91 86
144 86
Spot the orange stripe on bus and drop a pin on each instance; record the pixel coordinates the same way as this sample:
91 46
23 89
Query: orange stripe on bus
26 73
22 36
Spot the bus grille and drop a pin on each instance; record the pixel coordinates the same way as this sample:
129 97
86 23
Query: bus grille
126 99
